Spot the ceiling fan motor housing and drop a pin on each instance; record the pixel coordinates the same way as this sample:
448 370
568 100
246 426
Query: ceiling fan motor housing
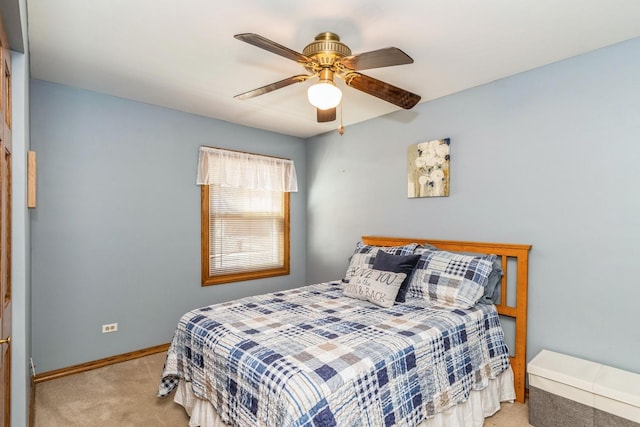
326 49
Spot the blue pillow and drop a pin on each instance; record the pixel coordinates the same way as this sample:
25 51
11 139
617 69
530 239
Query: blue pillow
397 264
493 288
364 256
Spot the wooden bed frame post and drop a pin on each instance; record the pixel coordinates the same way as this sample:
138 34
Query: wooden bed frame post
518 312
519 361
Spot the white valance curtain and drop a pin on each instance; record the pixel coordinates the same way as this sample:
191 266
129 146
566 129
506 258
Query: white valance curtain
236 169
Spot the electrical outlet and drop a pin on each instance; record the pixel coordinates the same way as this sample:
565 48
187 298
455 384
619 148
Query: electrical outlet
111 327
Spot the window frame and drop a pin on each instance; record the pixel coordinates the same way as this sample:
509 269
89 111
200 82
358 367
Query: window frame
207 279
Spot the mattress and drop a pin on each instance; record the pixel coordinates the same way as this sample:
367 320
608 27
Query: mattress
311 356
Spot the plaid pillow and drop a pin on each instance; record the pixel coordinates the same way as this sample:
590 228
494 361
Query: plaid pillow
451 279
364 256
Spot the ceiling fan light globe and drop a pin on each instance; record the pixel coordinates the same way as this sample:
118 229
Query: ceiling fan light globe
324 95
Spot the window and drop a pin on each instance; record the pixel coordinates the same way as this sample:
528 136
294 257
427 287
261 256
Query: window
245 215
245 234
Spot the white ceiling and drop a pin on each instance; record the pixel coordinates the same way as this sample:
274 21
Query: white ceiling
182 54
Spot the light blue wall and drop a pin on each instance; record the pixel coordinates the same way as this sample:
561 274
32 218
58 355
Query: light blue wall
550 157
15 11
20 245
20 257
116 234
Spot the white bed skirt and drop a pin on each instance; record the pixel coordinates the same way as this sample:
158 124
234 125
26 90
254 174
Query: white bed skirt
481 404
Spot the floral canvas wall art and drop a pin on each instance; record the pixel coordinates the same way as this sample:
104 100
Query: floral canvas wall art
428 172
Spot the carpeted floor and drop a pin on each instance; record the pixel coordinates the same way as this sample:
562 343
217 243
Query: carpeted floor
124 395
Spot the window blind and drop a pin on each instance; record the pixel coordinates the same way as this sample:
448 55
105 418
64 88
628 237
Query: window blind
246 230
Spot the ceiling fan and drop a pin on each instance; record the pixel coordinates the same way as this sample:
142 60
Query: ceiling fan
327 57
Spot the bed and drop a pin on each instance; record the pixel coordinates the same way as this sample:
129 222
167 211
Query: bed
326 355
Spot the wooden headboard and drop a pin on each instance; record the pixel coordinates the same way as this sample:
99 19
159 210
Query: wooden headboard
506 251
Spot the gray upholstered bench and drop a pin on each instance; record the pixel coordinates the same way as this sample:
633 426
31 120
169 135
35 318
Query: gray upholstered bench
565 391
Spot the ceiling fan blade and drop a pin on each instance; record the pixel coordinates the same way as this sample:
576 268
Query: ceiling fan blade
376 59
382 90
273 47
327 115
273 86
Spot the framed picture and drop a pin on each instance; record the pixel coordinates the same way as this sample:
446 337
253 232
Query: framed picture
428 169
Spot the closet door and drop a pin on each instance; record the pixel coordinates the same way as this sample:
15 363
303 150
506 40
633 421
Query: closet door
5 229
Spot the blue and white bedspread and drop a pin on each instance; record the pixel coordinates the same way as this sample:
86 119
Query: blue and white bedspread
313 357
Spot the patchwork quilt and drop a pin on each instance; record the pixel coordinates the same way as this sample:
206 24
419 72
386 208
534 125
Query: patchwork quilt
313 357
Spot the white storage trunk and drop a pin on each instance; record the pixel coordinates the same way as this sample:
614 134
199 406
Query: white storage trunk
566 391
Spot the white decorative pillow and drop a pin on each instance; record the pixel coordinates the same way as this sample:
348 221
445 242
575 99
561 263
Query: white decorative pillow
376 286
359 262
